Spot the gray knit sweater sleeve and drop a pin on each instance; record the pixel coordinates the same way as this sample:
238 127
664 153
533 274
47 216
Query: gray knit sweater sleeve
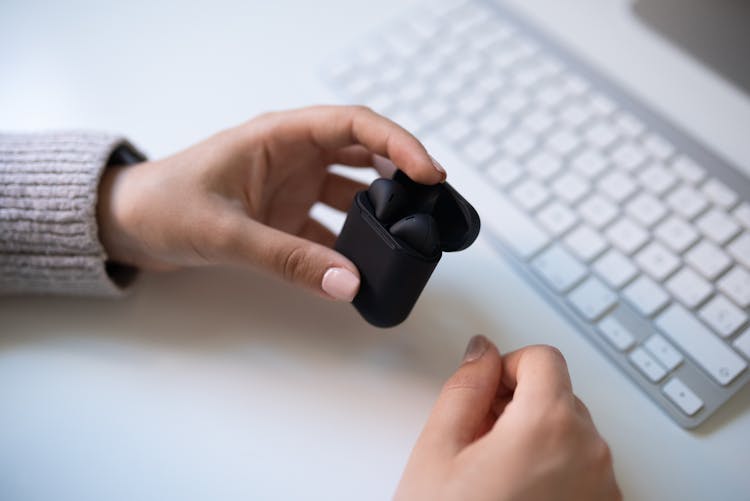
49 240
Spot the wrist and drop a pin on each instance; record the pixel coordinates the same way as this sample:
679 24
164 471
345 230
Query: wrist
113 213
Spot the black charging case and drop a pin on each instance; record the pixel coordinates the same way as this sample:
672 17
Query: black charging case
392 273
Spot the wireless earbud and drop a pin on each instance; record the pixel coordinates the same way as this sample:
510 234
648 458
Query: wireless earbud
389 199
419 231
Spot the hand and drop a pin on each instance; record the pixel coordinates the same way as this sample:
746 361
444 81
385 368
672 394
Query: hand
509 428
243 196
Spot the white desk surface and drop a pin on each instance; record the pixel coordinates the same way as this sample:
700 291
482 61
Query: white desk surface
218 385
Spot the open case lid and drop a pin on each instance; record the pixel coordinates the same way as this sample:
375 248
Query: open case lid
457 221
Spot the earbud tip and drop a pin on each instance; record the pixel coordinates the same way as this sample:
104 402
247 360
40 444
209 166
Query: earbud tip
420 232
388 198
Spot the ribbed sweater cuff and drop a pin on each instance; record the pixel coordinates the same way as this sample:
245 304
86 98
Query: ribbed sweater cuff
49 240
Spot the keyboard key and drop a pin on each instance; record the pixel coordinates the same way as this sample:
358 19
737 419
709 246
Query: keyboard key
682 396
551 95
471 104
575 115
589 163
626 235
602 104
676 234
597 211
614 332
447 86
617 186
456 129
736 285
705 348
530 194
687 202
527 76
646 296
663 351
563 142
628 156
513 102
575 84
493 123
615 268
740 249
742 214
742 343
518 144
380 102
408 120
658 146
657 261
717 226
646 209
550 66
556 218
414 91
466 69
479 150
719 193
559 268
431 111
628 124
708 259
585 243
570 187
656 179
516 229
648 366
538 121
592 298
600 135
689 288
543 165
359 86
722 316
504 171
393 73
688 170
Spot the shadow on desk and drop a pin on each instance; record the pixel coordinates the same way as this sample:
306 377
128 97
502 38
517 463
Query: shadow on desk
226 313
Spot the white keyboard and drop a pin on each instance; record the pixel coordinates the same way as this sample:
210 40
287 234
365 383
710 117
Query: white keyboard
633 230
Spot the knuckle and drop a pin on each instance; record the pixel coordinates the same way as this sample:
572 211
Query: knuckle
292 263
550 352
547 354
562 420
602 454
462 380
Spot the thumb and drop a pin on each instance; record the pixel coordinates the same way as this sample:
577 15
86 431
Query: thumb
466 399
297 260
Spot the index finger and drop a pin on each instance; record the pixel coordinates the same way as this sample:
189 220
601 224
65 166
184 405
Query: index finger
537 374
334 127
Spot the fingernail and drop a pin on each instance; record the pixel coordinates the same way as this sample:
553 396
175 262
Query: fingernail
384 166
437 165
340 283
439 168
476 348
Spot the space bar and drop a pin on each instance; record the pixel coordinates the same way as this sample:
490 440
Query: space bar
513 226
